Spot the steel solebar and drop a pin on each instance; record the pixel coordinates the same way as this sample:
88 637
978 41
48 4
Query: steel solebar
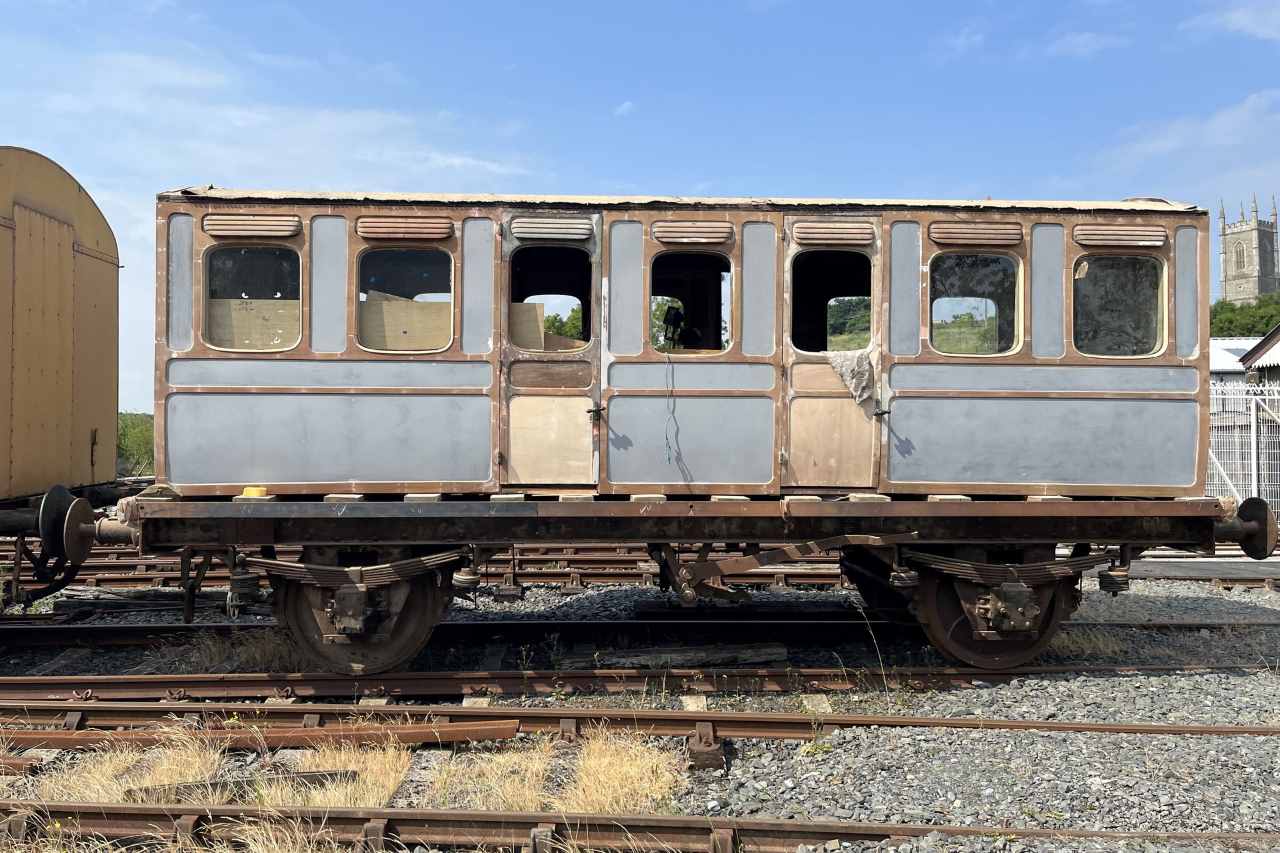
533 830
535 682
451 718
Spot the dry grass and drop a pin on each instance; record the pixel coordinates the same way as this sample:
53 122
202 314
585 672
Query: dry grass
617 772
1091 643
103 775
251 837
512 778
254 650
379 770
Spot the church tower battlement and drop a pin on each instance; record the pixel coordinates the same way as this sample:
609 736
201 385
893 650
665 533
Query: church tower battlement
1250 265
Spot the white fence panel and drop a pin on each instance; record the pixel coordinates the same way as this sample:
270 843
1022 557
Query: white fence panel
1244 441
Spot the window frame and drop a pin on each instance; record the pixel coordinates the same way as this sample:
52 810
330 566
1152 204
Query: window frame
791 291
592 283
412 247
304 273
1162 303
727 254
1019 299
1241 258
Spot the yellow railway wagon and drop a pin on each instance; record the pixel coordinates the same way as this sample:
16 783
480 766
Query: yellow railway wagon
59 291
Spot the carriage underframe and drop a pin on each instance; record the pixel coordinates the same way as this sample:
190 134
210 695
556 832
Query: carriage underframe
982 578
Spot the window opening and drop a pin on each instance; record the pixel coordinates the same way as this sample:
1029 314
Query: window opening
253 298
690 294
830 301
1241 258
550 298
1116 305
406 299
973 304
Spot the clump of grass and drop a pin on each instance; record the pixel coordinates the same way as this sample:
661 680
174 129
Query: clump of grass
619 772
510 778
106 773
378 769
252 650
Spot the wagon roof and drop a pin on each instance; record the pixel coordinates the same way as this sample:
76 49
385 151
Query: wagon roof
212 193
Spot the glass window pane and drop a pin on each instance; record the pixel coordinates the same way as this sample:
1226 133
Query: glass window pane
550 307
973 304
690 294
406 299
253 298
1116 305
830 301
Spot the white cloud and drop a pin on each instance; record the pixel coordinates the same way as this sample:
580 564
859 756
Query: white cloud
1258 19
624 109
1082 45
131 124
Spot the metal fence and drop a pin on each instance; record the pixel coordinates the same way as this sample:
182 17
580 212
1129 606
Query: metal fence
1244 441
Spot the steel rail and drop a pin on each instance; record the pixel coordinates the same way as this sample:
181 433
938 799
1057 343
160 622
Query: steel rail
540 832
413 685
74 718
784 625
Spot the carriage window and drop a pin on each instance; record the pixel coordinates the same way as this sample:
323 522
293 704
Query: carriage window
406 299
1116 305
689 298
830 301
550 298
973 304
254 298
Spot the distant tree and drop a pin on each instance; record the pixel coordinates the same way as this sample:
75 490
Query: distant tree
135 444
565 327
1229 320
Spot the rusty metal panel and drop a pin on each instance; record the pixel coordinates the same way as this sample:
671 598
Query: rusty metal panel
834 233
251 225
1144 236
552 228
964 233
404 227
692 232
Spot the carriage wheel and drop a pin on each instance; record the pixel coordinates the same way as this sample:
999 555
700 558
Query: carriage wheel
949 630
424 607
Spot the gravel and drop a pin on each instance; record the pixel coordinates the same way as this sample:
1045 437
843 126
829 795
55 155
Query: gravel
1003 778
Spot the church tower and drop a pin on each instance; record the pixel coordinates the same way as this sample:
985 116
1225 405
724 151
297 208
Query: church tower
1248 249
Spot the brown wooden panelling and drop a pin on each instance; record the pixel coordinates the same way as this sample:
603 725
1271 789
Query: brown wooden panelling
93 416
42 373
551 374
404 227
958 233
251 225
550 440
816 377
552 228
831 443
6 353
1151 236
834 233
692 232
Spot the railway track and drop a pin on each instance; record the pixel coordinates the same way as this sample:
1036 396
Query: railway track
378 829
796 626
70 719
451 684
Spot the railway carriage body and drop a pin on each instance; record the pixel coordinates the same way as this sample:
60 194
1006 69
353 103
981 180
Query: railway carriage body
401 344
946 392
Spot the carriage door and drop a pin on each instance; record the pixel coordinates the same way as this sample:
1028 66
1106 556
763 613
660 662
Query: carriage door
551 382
832 352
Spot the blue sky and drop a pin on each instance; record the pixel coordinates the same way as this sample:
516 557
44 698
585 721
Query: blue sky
1088 99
